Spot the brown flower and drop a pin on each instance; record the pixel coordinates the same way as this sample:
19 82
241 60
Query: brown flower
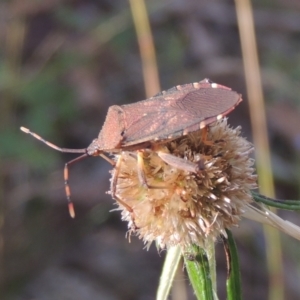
190 206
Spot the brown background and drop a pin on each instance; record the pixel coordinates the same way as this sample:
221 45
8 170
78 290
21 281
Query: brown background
62 64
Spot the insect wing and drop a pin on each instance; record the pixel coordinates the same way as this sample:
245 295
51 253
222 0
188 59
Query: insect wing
177 111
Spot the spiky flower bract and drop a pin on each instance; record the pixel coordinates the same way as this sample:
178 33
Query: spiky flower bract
190 206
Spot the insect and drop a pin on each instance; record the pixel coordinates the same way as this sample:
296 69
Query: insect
165 116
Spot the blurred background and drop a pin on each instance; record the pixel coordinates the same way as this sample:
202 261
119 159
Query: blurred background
62 64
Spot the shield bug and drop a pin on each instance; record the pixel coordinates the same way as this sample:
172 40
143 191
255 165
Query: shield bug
165 116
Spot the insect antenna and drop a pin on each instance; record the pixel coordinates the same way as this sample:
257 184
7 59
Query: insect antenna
66 168
64 150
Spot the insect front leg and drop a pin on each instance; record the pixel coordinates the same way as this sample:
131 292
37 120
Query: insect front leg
181 163
67 186
113 185
113 189
142 175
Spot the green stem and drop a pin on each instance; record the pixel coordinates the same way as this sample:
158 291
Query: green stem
168 273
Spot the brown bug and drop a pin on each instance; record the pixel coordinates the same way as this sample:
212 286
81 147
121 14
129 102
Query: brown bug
165 116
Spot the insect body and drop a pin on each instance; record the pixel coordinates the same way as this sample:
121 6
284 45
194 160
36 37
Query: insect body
167 115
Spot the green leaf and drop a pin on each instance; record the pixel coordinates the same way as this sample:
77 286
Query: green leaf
233 284
197 265
283 204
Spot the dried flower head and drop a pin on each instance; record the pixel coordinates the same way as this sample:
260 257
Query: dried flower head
189 207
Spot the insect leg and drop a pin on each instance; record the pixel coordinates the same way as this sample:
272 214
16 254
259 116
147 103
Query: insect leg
67 186
142 175
204 134
113 185
181 163
107 159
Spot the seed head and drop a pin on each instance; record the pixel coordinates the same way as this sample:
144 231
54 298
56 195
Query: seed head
190 207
